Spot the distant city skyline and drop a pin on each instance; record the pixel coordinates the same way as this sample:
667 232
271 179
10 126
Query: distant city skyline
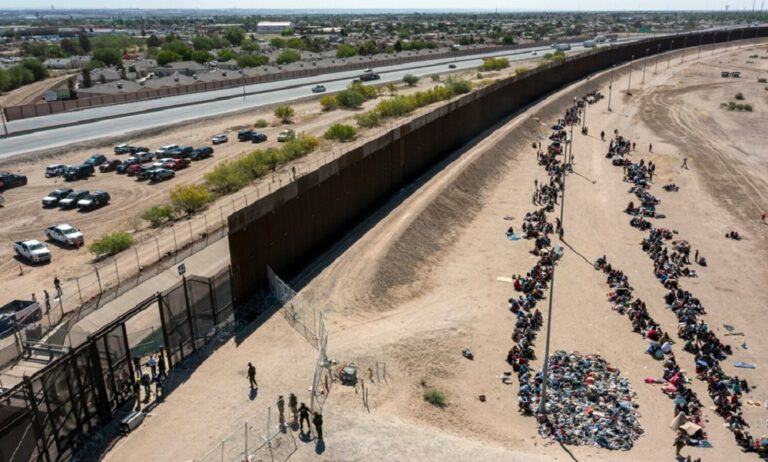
408 5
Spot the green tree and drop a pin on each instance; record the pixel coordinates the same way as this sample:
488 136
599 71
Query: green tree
85 43
410 80
296 43
250 46
5 81
157 215
288 56
234 35
287 32
111 244
284 113
178 47
70 46
109 56
345 51
277 42
86 78
226 54
189 198
252 60
202 43
165 57
201 56
38 69
154 41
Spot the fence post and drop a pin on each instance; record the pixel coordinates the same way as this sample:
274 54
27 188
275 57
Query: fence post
117 272
138 264
157 244
191 236
205 217
175 243
98 278
212 293
246 441
164 326
77 281
36 420
189 313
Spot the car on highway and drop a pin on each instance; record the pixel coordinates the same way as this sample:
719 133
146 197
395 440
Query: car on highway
53 198
55 170
70 200
110 165
176 164
160 174
66 235
95 160
451 66
179 153
201 153
164 149
93 201
11 180
125 165
318 89
286 135
33 251
220 138
78 172
258 137
244 135
368 75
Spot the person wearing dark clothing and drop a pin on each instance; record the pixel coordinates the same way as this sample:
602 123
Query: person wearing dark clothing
304 416
293 403
252 376
57 285
161 364
281 408
47 299
146 381
317 419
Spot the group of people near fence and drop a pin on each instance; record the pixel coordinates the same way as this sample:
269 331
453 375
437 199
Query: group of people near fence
671 260
152 372
531 286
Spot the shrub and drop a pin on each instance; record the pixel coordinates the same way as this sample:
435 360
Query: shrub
521 70
261 123
345 51
288 56
762 80
157 215
739 96
351 99
111 244
189 198
228 177
254 60
434 397
731 106
284 113
368 91
368 119
328 103
436 77
410 80
748 107
391 88
458 86
494 64
165 57
340 132
300 146
396 106
479 76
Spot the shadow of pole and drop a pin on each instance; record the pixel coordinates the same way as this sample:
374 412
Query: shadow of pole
576 252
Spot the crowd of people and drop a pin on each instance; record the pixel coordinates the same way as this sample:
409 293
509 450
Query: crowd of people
671 260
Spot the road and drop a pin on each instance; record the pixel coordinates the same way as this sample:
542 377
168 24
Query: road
49 132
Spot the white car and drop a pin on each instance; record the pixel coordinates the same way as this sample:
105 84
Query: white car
220 138
164 150
142 157
160 162
65 235
32 251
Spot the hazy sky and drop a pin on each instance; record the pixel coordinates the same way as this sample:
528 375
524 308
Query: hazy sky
517 5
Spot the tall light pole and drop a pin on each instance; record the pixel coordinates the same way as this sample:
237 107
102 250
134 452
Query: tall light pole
610 88
656 66
645 61
669 57
629 82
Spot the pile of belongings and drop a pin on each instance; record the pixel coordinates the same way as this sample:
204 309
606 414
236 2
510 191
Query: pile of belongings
588 403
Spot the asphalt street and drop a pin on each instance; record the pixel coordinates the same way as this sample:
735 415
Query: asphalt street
48 132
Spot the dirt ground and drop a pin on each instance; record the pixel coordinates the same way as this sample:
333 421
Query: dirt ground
414 285
24 217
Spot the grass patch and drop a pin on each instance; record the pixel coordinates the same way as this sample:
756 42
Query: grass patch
739 96
261 123
111 244
434 397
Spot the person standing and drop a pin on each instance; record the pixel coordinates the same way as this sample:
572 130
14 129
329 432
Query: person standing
161 363
650 147
294 403
304 416
685 163
252 376
34 298
47 299
57 285
317 419
281 408
152 364
680 441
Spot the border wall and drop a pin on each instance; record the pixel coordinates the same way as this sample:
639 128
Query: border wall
295 223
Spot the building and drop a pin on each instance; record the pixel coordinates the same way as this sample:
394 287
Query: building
273 27
73 62
112 88
182 67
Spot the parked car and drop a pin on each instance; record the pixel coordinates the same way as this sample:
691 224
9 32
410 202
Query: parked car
180 153
135 149
201 153
53 198
145 172
66 235
176 164
286 135
123 149
318 89
136 168
2 200
78 172
55 170
11 180
258 137
145 156
164 150
158 163
19 312
126 164
244 135
161 174
33 251
70 201
93 201
220 138
109 166
95 160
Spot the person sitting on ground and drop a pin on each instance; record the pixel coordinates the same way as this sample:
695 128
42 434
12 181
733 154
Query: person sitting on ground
733 235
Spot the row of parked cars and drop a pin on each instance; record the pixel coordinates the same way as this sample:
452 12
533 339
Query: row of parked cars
258 137
84 200
35 251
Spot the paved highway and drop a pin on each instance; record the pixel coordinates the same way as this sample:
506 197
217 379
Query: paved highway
58 130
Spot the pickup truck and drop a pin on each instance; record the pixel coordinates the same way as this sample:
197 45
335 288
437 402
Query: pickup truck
11 180
32 251
18 312
65 235
78 172
70 201
53 197
93 201
368 75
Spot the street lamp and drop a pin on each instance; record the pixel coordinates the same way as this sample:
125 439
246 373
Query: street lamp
645 61
629 82
610 88
658 53
669 56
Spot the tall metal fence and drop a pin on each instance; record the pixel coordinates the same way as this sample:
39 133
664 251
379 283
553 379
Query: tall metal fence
48 415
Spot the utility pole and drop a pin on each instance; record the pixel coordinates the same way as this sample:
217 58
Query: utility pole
645 61
629 82
610 88
656 66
